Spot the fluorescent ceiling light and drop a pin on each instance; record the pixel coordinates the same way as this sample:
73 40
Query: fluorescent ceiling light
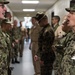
30 2
28 9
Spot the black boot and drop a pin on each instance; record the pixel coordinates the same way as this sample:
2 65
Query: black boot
13 61
16 61
21 55
11 68
9 71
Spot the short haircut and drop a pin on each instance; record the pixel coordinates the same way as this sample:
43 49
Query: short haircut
34 17
57 17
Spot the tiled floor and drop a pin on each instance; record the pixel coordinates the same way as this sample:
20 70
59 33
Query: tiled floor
26 66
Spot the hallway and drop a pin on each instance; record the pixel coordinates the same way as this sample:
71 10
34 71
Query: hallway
25 67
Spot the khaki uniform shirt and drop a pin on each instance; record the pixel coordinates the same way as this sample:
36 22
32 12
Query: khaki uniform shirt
34 34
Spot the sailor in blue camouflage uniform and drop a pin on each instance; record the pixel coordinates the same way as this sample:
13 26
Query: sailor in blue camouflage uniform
68 60
45 42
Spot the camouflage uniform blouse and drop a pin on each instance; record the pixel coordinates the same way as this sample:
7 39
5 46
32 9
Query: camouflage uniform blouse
68 64
3 54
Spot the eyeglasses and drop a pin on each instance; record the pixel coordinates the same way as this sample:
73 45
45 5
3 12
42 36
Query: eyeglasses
2 5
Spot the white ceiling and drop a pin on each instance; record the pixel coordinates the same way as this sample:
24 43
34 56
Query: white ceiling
16 6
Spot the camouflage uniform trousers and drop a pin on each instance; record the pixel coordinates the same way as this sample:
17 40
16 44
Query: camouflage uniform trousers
57 62
15 51
3 63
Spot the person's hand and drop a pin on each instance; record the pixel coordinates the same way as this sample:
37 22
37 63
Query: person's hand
16 40
53 47
36 58
13 45
42 63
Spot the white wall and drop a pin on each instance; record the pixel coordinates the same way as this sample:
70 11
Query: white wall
59 9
